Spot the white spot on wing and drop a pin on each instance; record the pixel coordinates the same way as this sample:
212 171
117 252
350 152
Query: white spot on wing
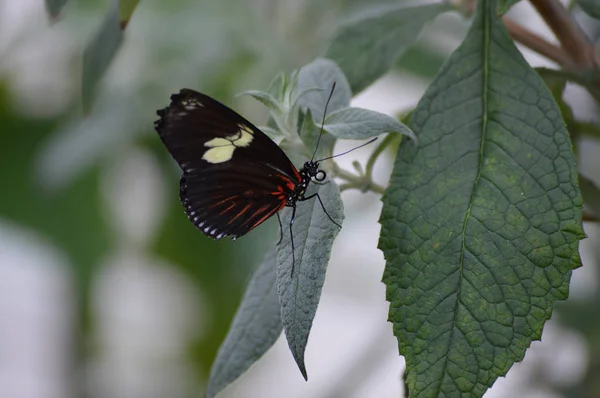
221 149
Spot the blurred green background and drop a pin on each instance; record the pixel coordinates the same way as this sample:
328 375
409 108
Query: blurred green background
107 290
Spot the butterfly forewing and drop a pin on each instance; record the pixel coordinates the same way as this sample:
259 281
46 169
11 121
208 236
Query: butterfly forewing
234 176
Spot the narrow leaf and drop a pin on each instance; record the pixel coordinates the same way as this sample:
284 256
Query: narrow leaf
277 86
359 123
126 9
267 99
54 7
309 133
481 223
99 53
299 293
255 328
322 73
367 48
590 7
272 133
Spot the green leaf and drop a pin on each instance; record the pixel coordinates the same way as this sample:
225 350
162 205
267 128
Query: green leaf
421 60
504 5
309 133
556 82
274 134
481 223
267 99
591 194
278 86
322 73
554 79
99 53
255 328
298 96
299 293
54 7
359 123
588 79
126 9
585 128
367 48
590 7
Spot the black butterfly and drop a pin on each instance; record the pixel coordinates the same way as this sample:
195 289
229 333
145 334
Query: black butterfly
234 176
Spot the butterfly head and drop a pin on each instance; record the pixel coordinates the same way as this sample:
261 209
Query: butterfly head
311 169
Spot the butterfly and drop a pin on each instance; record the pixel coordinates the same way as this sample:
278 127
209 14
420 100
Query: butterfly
234 176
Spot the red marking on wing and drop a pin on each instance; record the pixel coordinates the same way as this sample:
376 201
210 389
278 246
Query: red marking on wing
269 214
227 209
298 176
245 209
291 186
222 201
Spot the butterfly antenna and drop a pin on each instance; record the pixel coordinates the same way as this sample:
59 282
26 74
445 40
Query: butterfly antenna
323 122
348 151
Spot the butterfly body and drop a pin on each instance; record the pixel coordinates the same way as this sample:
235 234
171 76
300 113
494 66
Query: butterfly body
234 176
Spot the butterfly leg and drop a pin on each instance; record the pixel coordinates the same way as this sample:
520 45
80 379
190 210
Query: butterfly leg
322 206
280 229
292 239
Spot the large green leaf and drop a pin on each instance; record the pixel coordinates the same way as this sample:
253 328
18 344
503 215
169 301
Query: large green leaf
481 223
255 328
99 53
299 289
367 48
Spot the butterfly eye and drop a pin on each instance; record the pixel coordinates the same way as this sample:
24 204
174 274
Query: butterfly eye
320 176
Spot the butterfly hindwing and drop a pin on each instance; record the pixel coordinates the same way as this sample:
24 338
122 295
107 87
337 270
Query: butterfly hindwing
234 176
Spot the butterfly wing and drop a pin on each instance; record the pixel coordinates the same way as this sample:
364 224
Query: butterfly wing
234 176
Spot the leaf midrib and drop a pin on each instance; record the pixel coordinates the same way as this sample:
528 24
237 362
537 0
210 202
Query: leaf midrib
484 124
297 280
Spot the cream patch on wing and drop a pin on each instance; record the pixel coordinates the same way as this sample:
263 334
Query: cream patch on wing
221 149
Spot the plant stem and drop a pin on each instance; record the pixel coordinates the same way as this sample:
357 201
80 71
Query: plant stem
538 44
570 35
361 183
380 148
